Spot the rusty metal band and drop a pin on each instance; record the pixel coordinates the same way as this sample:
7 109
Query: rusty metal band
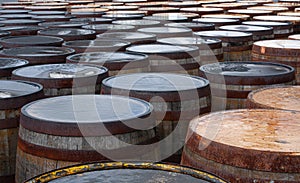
9 123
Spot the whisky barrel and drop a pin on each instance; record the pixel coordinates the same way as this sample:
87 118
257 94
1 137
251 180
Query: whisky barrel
182 4
21 30
124 15
258 32
121 7
64 79
164 32
13 95
194 26
176 16
138 171
88 12
7 65
231 82
229 6
20 22
202 11
43 13
176 99
46 8
4 34
92 20
250 13
39 55
138 23
240 146
66 130
102 28
14 11
210 49
98 45
291 6
274 9
69 34
116 62
170 58
218 22
16 16
34 40
167 18
281 29
277 97
236 45
239 17
132 37
295 37
280 51
66 24
152 10
52 18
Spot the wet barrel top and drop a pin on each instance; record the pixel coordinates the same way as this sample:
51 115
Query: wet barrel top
108 27
275 47
133 37
35 40
137 22
292 19
246 28
131 172
227 16
250 12
9 64
155 82
249 72
195 41
216 20
165 30
20 28
20 22
226 35
11 90
67 24
59 71
66 32
284 97
92 20
100 43
16 16
47 12
14 11
195 26
267 23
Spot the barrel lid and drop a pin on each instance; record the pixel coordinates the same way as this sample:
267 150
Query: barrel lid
51 17
16 16
295 36
88 11
161 49
296 14
284 4
121 7
47 12
19 21
76 109
190 25
35 51
184 3
164 30
108 27
137 22
272 8
267 23
276 18
129 1
245 28
59 71
128 36
230 5
29 40
215 20
280 44
279 97
226 16
190 41
250 12
247 69
100 43
4 33
92 20
159 9
123 16
223 34
155 82
201 9
40 8
14 11
167 17
133 12
66 32
7 63
66 24
12 89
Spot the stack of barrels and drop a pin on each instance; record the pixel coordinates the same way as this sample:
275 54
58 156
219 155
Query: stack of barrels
211 85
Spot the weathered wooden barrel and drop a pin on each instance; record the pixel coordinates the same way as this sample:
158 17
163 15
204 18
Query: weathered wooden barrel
182 4
279 51
258 2
258 145
132 37
152 10
250 13
229 6
236 45
281 29
16 16
138 171
43 13
69 34
82 128
240 17
4 34
274 9
39 55
64 79
66 24
218 22
170 58
98 45
116 62
46 8
194 26
231 82
7 65
124 15
13 95
294 37
176 99
88 12
92 20
34 40
258 32
202 11
14 11
288 13
12 7
210 49
21 30
138 23
20 22
167 18
164 32
52 18
291 6
176 16
102 28
121 7
277 97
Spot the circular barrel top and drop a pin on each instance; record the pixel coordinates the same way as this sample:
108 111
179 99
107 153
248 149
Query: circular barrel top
124 16
162 49
267 23
155 82
277 18
296 14
14 11
295 37
109 27
229 16
167 17
52 17
16 16
275 47
132 37
59 71
165 30
4 34
272 8
66 32
225 34
35 40
46 8
120 7
193 25
47 13
246 28
7 65
139 23
202 10
216 20
283 97
92 20
250 12
21 22
85 109
66 24
195 41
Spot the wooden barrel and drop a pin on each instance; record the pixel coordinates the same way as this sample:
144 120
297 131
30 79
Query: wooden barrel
176 16
182 4
101 45
167 18
132 37
121 7
176 99
280 51
202 11
138 23
69 34
124 15
46 8
229 6
66 24
281 29
34 40
21 30
218 22
64 79
250 13
164 32
7 65
82 128
277 97
20 22
170 58
294 37
88 12
236 45
194 26
52 18
231 82
258 32
4 34
246 145
16 16
210 49
291 6
13 95
39 55
274 9
14 11
138 171
152 10
116 62
239 17
102 28
92 20
43 13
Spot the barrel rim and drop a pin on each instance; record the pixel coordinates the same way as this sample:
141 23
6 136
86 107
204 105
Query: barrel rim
24 61
71 44
51 39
